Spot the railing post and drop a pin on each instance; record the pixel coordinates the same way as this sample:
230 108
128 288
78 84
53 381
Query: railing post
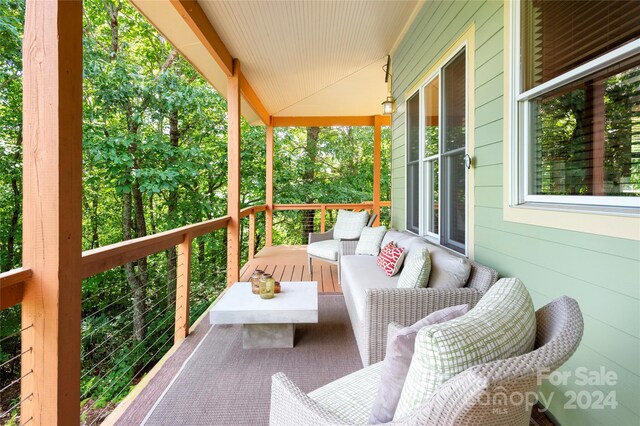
183 289
377 164
233 177
269 189
323 211
52 212
252 235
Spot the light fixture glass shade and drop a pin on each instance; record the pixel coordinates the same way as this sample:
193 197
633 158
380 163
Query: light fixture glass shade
389 106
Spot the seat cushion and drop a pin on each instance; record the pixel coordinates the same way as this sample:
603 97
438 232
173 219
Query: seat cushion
500 326
349 225
351 397
359 273
327 249
370 239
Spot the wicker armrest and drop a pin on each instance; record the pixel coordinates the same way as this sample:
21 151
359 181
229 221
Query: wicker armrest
291 406
405 306
348 247
314 237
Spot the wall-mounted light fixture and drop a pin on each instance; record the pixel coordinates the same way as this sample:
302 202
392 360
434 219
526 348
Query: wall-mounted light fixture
389 105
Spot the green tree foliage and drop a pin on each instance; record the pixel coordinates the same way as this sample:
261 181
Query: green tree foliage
154 158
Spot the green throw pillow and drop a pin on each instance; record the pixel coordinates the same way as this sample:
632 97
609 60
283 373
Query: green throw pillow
417 267
502 325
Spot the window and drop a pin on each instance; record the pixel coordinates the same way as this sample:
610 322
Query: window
577 103
436 151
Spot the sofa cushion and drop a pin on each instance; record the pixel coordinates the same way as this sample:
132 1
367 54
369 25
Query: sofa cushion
349 224
396 362
350 397
390 259
417 267
448 270
500 326
359 273
401 238
327 249
370 240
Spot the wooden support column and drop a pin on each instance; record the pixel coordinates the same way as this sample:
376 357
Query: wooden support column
323 217
252 235
183 289
52 212
269 189
233 179
377 136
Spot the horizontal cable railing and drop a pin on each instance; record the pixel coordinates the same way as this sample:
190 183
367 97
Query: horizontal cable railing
140 297
293 222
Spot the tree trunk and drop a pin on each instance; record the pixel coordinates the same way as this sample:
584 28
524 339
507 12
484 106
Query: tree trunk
201 258
15 214
137 291
172 207
311 155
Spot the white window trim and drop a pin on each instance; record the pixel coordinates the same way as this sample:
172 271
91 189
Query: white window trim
465 45
521 133
603 221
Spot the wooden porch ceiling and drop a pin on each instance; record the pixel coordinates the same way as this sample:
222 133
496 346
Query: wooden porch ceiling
299 59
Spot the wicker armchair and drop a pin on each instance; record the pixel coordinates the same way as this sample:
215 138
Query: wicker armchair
480 395
315 237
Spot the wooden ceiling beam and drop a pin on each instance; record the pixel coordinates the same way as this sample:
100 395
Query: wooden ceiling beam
253 100
199 23
366 120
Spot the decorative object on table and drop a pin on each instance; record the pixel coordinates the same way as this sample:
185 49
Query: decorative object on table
267 286
268 324
255 281
277 288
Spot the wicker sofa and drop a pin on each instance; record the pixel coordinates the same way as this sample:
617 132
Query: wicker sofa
374 301
480 395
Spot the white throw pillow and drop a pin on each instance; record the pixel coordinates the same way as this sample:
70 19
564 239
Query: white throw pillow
417 267
370 240
400 348
349 225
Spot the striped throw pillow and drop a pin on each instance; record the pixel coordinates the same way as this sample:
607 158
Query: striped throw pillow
390 259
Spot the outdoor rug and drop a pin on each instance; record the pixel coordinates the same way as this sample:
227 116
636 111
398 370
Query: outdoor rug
223 384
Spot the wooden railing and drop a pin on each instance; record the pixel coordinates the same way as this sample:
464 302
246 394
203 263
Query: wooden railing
99 260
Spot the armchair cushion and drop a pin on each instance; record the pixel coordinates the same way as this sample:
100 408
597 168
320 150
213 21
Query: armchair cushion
370 239
396 363
501 325
349 225
350 397
327 249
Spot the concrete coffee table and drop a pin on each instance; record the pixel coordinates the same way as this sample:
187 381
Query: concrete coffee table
268 323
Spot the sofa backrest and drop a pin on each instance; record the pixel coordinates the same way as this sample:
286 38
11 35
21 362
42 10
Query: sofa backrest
480 278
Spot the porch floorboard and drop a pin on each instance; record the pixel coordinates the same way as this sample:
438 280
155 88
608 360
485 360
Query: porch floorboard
289 263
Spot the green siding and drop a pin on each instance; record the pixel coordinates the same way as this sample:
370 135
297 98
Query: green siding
602 273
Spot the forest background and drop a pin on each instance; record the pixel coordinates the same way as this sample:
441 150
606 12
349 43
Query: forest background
154 158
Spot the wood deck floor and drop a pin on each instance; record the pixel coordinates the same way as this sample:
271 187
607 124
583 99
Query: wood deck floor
289 263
